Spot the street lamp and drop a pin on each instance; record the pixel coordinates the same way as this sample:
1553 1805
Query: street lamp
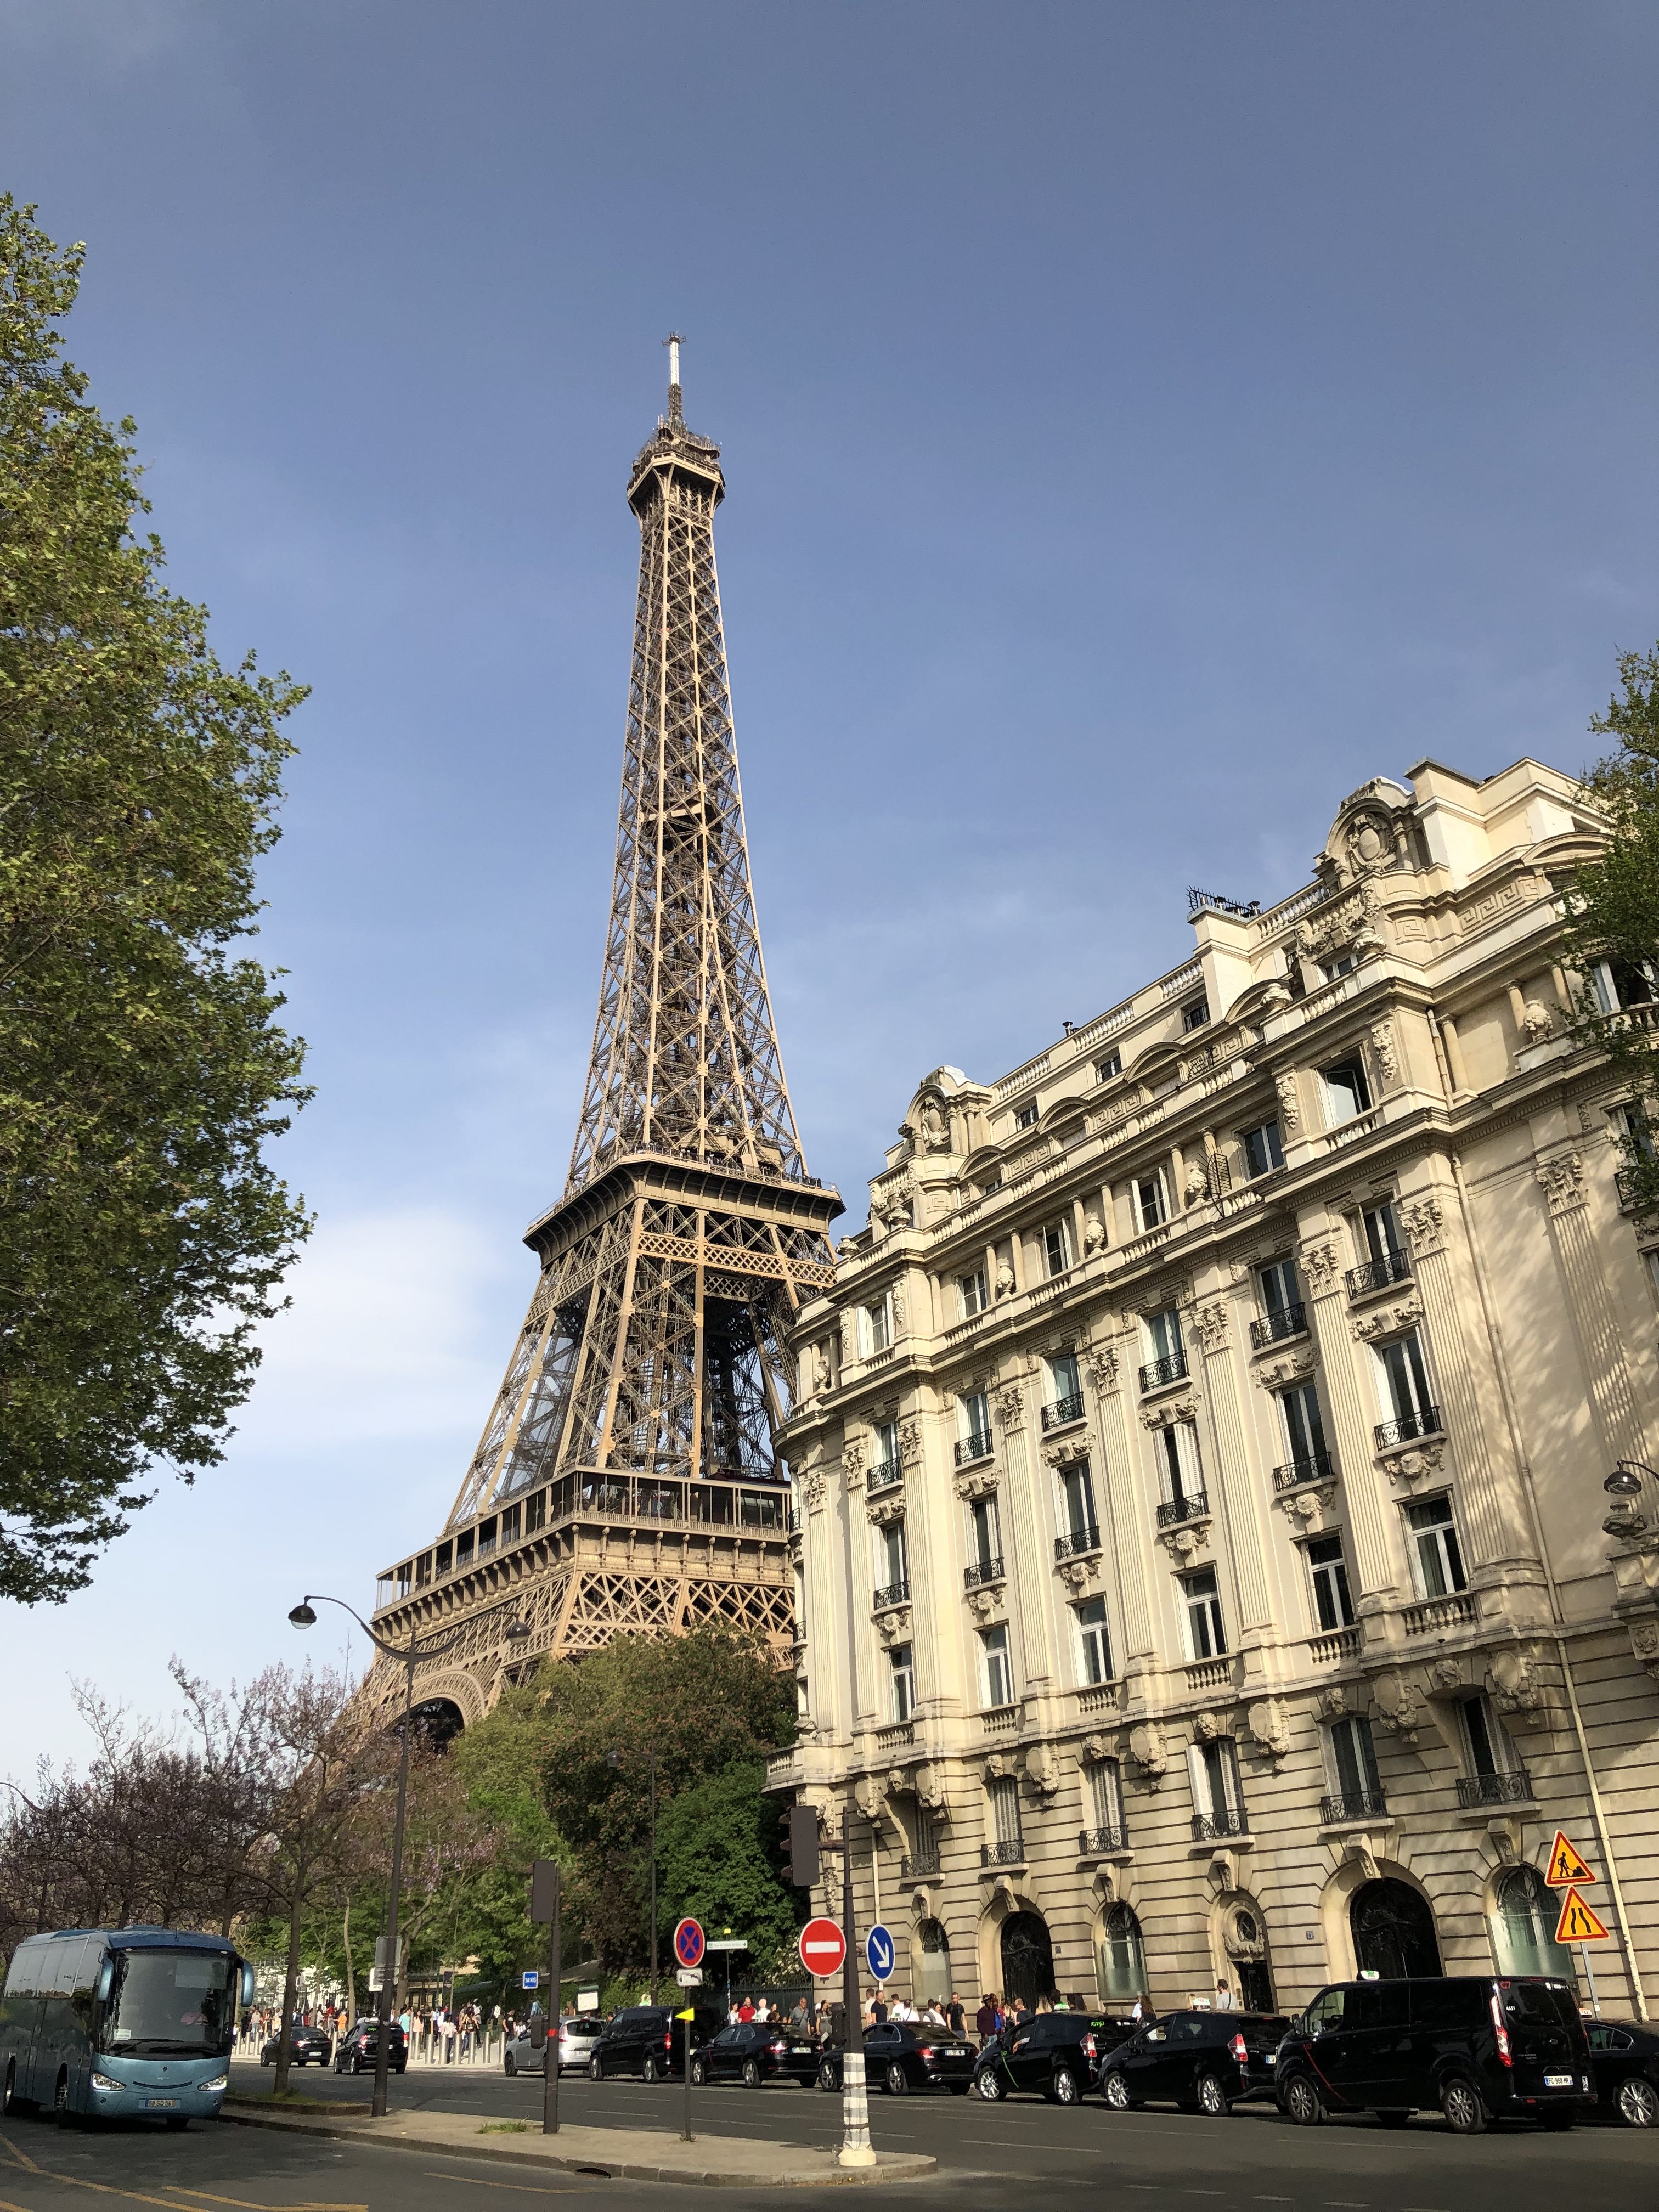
1623 1487
304 1615
615 1759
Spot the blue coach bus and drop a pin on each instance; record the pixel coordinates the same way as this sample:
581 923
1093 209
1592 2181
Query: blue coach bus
127 2020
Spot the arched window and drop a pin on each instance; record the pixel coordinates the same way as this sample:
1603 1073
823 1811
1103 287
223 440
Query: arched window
1522 1925
1122 1962
933 1970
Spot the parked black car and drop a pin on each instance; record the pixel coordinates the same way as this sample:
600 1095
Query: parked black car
307 2046
1481 2048
756 2051
1624 2068
1054 2052
1204 2062
648 2041
899 2058
356 2052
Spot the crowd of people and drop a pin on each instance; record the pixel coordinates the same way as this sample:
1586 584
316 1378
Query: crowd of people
438 2034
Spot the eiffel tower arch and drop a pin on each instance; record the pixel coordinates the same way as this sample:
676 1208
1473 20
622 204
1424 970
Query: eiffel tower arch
626 1481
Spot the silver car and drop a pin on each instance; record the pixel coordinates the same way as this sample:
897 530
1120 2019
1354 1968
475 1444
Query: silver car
576 2040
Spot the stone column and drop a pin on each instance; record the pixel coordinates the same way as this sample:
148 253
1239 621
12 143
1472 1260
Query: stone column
1246 1536
1123 1524
918 1535
1601 1347
1021 1537
870 1710
1350 1415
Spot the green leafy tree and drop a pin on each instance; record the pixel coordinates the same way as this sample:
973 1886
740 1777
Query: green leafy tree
500 1760
1612 911
142 1067
718 1859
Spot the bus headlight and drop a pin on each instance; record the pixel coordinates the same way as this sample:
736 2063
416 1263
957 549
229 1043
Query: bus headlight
103 2081
212 2088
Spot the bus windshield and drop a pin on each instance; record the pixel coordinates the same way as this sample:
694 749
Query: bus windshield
171 2004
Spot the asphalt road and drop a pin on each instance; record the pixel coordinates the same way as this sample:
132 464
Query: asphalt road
990 2155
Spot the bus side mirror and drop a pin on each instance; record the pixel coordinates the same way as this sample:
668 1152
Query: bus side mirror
106 1980
247 1984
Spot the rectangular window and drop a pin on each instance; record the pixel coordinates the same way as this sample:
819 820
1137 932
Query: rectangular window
1164 1334
1176 1447
1381 1231
1439 1558
1212 1770
463 1547
887 1443
1617 985
901 1660
1005 1810
984 1538
1353 1757
1328 1572
1195 1014
1066 1389
1405 1381
1025 1116
1304 1430
1480 1732
1152 1207
1078 1500
970 1288
1106 1793
510 1525
892 1564
1262 1151
1206 1634
1280 1289
1346 1091
1056 1247
1094 1650
1107 1068
976 1418
1344 965
875 1325
999 1671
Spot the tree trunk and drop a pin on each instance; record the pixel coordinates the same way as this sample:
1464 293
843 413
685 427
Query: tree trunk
351 1972
290 1991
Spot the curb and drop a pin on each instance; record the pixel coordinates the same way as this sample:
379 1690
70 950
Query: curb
893 2166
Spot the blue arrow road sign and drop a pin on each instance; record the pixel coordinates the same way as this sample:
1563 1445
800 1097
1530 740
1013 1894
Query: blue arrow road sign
878 1950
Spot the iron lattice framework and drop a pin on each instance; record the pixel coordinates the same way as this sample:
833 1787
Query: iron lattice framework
626 1476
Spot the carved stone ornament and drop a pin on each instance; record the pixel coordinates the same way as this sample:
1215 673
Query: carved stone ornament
1067 1451
1290 1367
1173 1413
1386 1320
1187 1542
1207 1727
1097 1748
867 1795
986 1605
909 1442
929 1785
1330 1704
999 1766
1103 1365
1320 1265
893 1624
1644 1643
1146 1749
1402 1706
1078 1574
1094 1233
1211 1323
1269 1724
852 1462
1370 843
1290 1106
1537 1022
1351 921
887 1505
1446 1675
810 1485
1423 1220
1412 1463
974 1482
1307 1507
1388 1060
934 1124
1563 1182
1004 1278
1516 1676
1011 1405
1043 1770
1195 1184
848 1337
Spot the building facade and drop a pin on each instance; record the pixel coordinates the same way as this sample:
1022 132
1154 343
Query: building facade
1204 1568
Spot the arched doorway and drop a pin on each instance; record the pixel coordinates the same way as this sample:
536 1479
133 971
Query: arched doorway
1392 1927
438 1721
1028 1958
1122 1971
1245 1939
933 1960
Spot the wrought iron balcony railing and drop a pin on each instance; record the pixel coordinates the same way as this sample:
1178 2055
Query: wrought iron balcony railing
1318 1467
1157 1372
890 1594
1174 1510
886 1475
1282 1321
1009 1853
1514 1788
920 1866
1208 1827
1378 1274
1353 1805
1424 1422
1063 1412
969 1449
982 1572
1092 1842
1078 1544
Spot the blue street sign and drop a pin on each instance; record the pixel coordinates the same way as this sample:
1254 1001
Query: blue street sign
878 1950
529 1979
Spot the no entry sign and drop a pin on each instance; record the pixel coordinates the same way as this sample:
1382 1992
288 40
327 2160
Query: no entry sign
688 1943
822 1948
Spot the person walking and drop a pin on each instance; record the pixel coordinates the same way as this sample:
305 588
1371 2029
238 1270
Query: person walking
956 2015
1223 1998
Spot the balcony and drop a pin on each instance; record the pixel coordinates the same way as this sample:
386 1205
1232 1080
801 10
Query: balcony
1099 1843
898 1735
1378 1274
969 1449
1063 1412
1211 1827
1512 1788
922 1866
1156 1373
1458 1611
1174 1512
1010 1852
982 1573
1078 1545
890 1594
1353 1805
886 1475
1318 1467
1283 1321
1426 1421
1333 1648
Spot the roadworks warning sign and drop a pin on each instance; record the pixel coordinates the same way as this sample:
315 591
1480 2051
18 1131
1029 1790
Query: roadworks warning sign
1577 1923
1567 1865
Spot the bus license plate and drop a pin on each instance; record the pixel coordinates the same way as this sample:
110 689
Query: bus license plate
161 2104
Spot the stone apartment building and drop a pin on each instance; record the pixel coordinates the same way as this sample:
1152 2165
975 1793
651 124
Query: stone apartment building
1205 1569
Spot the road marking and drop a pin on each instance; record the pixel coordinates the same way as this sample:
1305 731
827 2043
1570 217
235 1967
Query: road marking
524 2188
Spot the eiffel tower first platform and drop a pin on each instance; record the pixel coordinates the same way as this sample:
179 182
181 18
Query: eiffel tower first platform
626 1481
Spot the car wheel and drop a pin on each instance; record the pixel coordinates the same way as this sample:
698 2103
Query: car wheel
1116 2090
699 2073
1304 2105
509 2065
1067 2089
1461 2107
1212 2099
595 2069
827 2081
989 2085
898 2081
751 2074
1639 2105
1392 2119
648 2069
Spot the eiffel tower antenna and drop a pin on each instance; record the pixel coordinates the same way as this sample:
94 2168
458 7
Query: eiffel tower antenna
626 1480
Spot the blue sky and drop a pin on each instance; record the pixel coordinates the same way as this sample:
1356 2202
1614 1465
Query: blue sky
1142 423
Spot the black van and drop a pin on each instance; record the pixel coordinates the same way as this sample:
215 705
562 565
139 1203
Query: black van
1497 2047
648 2040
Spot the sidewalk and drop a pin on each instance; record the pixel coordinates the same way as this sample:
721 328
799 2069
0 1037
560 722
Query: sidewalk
620 2153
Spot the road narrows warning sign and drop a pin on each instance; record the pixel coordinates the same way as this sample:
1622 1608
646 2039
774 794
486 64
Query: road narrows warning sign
1566 1867
1578 1923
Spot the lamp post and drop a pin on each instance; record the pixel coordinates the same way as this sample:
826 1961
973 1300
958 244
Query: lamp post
304 1615
615 1759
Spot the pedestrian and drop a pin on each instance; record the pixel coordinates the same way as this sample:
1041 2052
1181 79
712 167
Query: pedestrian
876 2009
800 2019
746 2010
956 2015
985 2020
1223 1998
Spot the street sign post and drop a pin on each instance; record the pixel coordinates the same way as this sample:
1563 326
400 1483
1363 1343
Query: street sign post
823 1951
688 1943
1578 1922
1566 1868
544 1913
688 1977
529 1980
879 1951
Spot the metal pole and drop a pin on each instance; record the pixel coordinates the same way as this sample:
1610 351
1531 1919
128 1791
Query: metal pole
556 2032
653 1902
1589 1974
855 2149
690 1996
383 2038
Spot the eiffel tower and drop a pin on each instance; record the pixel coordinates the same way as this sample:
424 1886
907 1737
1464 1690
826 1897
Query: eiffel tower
626 1482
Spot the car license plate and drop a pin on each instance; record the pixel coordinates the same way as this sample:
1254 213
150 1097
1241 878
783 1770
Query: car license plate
1560 2081
801 2050
161 2104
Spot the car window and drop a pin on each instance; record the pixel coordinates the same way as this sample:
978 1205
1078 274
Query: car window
1325 2014
1156 2035
1447 2005
1539 2004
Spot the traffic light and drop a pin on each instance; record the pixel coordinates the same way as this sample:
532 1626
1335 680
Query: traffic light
800 1827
